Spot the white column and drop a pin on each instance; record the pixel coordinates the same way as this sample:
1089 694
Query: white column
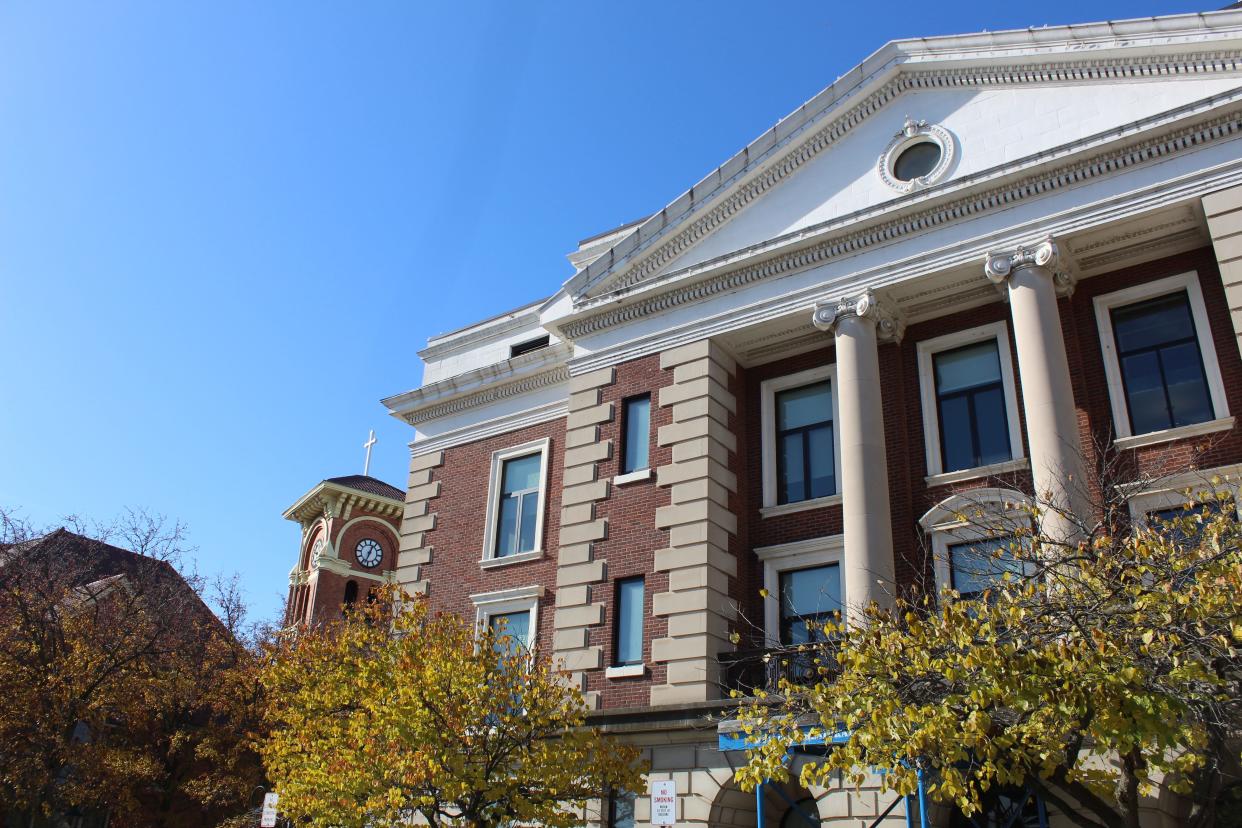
1057 467
857 325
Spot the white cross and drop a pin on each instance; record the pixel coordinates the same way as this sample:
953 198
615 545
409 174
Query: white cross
366 467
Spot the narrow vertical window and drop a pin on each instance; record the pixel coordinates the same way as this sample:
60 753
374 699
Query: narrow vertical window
511 631
621 809
970 402
519 505
805 455
628 622
1161 366
636 419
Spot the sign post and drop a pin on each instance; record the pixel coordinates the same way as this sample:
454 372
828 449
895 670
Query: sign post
269 810
664 802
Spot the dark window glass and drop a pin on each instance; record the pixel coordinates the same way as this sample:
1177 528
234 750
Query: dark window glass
351 593
805 456
629 622
970 402
916 161
621 809
637 418
519 505
976 565
528 346
808 597
1161 367
1170 520
512 630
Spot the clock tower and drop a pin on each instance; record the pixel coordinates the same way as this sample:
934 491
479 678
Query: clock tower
349 545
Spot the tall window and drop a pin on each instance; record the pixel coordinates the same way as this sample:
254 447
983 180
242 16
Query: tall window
511 630
1161 365
978 564
805 457
970 404
628 623
636 420
621 809
808 599
519 505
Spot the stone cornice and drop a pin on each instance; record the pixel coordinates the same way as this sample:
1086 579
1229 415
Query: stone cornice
483 385
332 498
769 161
846 238
488 428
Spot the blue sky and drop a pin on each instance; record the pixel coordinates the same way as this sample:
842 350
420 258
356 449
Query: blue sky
226 227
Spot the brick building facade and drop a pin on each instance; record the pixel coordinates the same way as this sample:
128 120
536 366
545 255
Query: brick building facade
959 273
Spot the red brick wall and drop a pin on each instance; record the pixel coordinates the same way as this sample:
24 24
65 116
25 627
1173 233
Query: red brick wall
632 538
457 539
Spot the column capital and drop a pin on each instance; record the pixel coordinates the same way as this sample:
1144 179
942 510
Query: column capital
890 322
999 265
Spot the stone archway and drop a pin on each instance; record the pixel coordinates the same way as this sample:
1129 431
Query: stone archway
735 808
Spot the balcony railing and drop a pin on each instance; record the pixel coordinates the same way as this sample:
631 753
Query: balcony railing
763 668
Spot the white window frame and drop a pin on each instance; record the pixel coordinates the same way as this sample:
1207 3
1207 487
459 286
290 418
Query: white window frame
1105 303
1170 492
945 526
767 408
821 551
927 350
504 601
491 525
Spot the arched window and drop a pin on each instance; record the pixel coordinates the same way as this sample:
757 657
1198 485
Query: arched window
351 593
972 534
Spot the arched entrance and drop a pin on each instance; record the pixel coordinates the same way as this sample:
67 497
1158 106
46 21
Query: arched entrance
784 805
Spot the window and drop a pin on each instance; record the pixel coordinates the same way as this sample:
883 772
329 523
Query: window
1187 495
529 345
1160 359
512 630
800 449
351 593
969 403
628 623
803 583
966 530
514 520
976 565
917 160
809 598
516 609
621 809
636 422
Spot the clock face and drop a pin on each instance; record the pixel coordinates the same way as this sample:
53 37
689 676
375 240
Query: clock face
369 552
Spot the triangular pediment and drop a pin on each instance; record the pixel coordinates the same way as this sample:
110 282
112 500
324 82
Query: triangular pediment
1001 103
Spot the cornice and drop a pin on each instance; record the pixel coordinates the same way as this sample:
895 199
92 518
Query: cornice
482 385
457 405
489 428
660 240
333 498
854 241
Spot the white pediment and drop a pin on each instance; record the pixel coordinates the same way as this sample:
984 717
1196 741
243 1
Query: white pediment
1005 113
991 129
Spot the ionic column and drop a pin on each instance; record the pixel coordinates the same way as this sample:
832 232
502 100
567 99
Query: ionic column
1032 279
857 325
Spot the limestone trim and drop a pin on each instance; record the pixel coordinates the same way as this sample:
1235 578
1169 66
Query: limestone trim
578 571
491 394
520 599
775 156
768 389
846 238
1106 303
1177 490
927 350
491 519
970 516
417 520
699 523
785 557
1168 435
1224 218
488 428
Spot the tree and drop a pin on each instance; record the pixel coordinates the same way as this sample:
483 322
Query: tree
121 694
394 711
1094 667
